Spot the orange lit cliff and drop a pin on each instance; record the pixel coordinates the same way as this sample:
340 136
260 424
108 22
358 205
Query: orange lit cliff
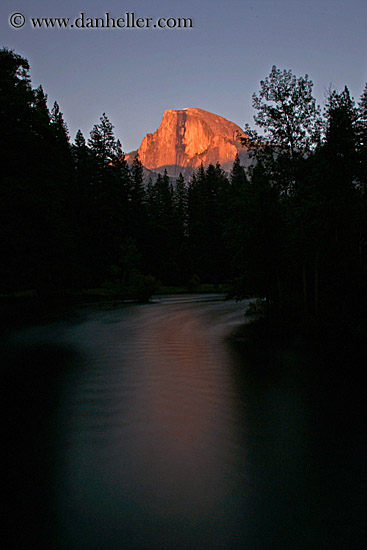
188 137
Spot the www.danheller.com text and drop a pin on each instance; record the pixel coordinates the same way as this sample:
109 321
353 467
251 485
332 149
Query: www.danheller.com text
129 20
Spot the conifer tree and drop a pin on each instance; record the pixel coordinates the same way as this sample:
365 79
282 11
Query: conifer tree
110 185
238 175
102 141
180 204
38 240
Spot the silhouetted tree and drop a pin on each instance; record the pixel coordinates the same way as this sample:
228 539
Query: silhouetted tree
38 244
206 212
180 205
291 120
137 204
103 143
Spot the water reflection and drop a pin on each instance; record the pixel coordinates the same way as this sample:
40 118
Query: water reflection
154 447
182 412
142 427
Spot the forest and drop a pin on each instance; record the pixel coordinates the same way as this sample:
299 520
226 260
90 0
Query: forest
291 230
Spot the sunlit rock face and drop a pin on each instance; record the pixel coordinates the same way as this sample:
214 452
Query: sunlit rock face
188 137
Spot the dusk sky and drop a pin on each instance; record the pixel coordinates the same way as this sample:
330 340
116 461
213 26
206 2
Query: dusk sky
134 75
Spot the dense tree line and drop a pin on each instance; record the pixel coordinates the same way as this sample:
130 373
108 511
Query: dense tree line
75 215
300 235
291 230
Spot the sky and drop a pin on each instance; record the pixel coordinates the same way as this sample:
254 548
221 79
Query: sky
134 75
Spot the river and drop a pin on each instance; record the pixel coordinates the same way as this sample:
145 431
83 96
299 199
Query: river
147 427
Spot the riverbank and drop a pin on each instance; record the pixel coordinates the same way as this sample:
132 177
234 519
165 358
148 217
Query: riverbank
344 341
24 307
336 364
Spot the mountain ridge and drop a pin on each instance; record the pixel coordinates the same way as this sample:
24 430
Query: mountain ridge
187 138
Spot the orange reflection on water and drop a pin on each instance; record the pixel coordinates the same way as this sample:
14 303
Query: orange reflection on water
180 411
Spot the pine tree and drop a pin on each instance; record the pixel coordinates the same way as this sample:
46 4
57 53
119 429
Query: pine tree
110 186
207 198
180 205
58 123
33 189
137 185
102 141
238 176
362 139
338 164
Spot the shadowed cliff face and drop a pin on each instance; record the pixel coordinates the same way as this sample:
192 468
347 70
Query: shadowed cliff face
189 137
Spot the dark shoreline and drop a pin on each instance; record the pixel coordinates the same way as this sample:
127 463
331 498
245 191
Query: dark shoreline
343 341
24 308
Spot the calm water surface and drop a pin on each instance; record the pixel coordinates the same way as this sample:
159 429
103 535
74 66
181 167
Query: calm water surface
144 427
